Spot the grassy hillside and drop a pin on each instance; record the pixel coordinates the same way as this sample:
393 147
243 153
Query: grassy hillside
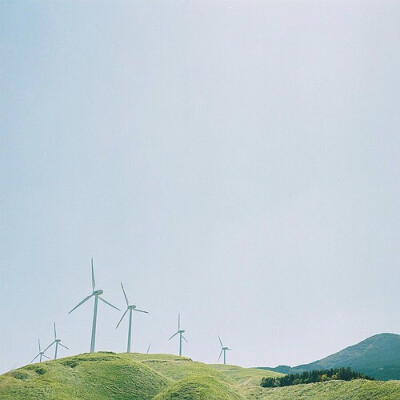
332 390
125 376
377 356
244 377
108 376
200 387
88 376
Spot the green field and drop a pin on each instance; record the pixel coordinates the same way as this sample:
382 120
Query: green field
108 376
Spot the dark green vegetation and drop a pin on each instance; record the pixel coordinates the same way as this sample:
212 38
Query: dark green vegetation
108 376
377 356
342 374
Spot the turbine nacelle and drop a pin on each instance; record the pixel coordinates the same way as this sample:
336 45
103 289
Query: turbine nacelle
97 292
181 331
132 307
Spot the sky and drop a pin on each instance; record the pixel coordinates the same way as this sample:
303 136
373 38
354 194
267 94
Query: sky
234 161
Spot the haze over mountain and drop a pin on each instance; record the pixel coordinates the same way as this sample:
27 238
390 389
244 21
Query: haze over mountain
378 356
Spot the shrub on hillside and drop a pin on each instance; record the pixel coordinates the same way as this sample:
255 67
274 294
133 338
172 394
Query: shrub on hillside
343 374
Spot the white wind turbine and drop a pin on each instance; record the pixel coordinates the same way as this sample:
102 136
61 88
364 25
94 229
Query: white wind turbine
129 308
180 332
57 342
40 354
223 350
96 294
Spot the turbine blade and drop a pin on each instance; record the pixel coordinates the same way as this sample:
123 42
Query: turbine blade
183 337
55 332
123 315
220 341
148 349
173 335
83 301
93 281
179 321
51 344
44 355
126 297
220 354
65 347
141 311
105 301
39 345
35 358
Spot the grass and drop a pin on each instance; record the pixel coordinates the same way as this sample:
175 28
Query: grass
244 376
333 390
88 376
109 376
200 387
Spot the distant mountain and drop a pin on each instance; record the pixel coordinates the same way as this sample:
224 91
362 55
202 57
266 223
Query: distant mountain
377 356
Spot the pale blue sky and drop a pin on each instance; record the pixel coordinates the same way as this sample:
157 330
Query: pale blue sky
236 161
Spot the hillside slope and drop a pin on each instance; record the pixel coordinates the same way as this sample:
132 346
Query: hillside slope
99 376
378 356
105 376
200 387
332 390
109 376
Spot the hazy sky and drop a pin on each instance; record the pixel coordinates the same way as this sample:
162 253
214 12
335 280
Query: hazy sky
235 161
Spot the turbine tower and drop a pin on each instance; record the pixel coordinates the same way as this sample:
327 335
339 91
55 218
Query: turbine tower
180 332
40 354
129 308
57 342
223 350
96 294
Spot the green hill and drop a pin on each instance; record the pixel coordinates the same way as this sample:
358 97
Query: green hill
332 390
125 376
87 376
377 356
200 387
109 376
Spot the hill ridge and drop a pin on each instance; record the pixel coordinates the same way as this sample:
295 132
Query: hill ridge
137 376
377 356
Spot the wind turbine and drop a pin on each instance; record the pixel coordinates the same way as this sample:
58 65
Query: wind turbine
40 354
223 350
130 309
181 332
57 342
96 294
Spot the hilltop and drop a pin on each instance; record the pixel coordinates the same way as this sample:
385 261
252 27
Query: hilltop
105 376
134 376
378 356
